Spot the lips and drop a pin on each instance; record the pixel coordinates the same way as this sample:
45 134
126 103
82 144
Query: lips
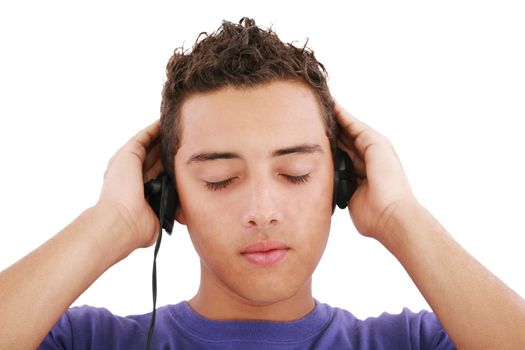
266 252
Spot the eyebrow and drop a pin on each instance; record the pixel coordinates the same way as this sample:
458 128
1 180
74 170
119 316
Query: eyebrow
301 149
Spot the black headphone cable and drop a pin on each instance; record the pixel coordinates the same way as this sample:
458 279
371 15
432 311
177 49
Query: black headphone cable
154 275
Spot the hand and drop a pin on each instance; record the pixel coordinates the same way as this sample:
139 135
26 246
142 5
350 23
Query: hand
134 163
383 185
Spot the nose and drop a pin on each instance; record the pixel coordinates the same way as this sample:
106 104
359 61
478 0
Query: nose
262 209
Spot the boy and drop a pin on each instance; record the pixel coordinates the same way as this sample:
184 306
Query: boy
247 131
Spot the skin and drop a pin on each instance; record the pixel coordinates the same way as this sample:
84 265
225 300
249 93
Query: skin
263 204
477 310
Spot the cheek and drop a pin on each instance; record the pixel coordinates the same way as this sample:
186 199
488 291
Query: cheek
317 198
314 227
208 224
314 214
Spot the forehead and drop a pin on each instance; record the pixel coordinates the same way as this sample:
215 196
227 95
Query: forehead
271 115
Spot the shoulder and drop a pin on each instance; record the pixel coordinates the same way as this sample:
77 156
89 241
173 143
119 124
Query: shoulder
87 327
405 330
100 320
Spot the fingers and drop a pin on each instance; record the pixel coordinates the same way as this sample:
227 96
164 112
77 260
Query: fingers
139 144
358 162
147 135
348 122
153 171
152 155
346 143
361 135
149 138
152 165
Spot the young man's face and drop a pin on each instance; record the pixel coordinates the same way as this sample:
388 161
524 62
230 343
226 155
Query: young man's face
254 174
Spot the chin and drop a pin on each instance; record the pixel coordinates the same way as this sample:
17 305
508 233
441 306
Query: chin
272 290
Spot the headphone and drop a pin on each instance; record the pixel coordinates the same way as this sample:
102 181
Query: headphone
163 199
161 193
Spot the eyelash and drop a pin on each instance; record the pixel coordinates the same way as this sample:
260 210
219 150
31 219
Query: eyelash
217 186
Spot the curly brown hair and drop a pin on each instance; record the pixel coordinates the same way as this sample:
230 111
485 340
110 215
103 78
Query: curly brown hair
240 55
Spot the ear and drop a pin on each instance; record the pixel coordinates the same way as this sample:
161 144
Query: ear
179 215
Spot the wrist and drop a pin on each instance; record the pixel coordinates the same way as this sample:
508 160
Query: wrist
394 223
110 230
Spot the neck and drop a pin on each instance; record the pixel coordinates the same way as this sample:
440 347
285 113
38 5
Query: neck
216 301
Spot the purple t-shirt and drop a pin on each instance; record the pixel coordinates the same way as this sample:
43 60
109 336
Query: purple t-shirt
179 327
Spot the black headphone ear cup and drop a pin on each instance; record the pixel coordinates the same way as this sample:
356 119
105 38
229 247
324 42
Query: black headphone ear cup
345 179
153 191
171 201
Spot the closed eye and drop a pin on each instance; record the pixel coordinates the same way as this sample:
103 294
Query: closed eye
297 179
220 185
217 186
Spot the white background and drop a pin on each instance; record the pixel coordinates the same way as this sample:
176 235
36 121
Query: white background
444 81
